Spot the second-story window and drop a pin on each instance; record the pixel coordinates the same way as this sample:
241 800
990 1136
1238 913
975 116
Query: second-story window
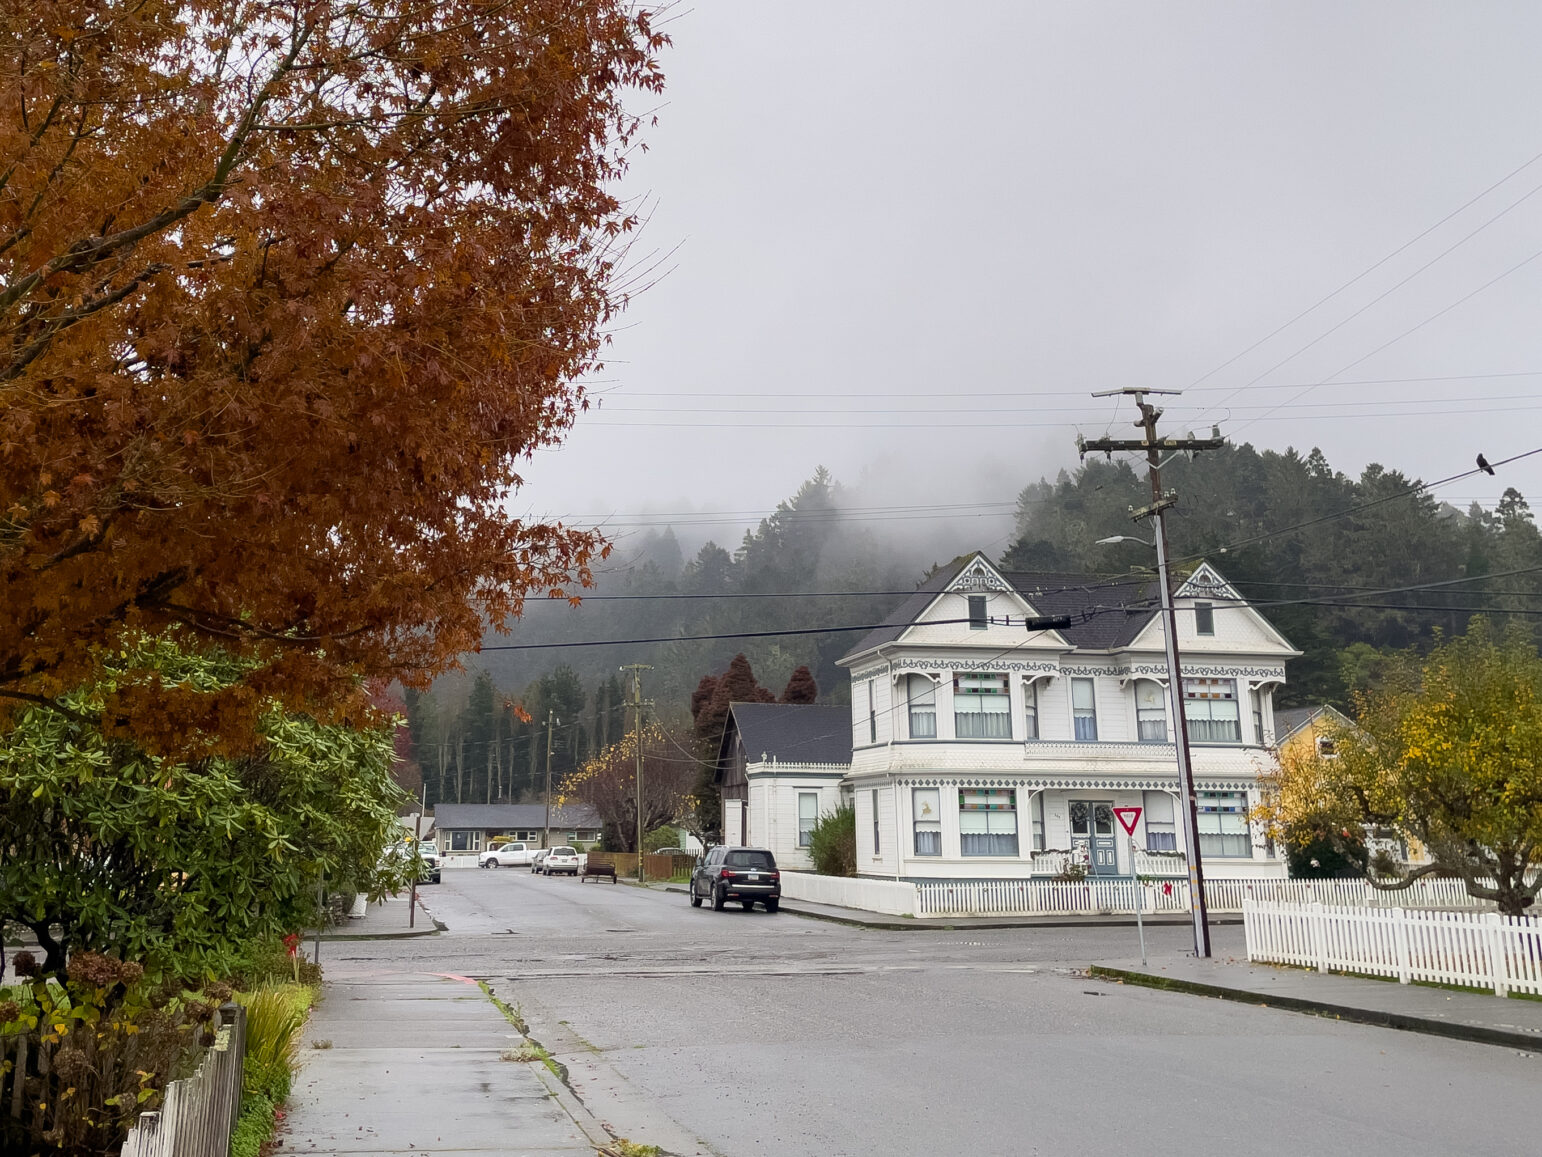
1204 619
1210 706
977 619
982 708
1031 710
1084 710
1256 700
1150 712
922 693
872 714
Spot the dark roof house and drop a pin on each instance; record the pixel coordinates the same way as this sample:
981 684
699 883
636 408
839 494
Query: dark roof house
500 817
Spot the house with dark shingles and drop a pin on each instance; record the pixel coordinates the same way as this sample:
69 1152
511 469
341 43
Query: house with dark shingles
467 827
977 749
780 765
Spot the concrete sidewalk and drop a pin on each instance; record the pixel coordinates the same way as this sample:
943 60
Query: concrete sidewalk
1486 1019
414 1063
859 918
387 920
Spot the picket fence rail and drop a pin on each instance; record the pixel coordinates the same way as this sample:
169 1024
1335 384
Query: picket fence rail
1473 949
198 1114
1115 895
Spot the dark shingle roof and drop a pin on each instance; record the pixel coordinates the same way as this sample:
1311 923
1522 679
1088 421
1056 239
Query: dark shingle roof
793 732
1111 625
476 816
1049 594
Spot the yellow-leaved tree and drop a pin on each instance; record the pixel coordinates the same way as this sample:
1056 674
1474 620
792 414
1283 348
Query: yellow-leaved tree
1449 753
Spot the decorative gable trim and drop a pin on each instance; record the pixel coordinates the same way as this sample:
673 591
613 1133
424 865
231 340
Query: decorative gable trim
1207 583
978 576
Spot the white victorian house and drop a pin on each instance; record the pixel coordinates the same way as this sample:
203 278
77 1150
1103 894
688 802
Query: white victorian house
981 750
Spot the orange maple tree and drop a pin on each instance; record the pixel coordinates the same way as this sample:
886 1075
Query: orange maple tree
287 293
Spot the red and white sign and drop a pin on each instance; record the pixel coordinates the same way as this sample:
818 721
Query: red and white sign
1128 818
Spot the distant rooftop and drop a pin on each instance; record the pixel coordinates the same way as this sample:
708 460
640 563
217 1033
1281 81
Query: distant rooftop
792 732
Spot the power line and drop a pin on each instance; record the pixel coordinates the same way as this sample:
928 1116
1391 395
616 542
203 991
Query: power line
1376 266
1354 509
1018 393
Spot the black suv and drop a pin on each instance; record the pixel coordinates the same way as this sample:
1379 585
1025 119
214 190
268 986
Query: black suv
742 874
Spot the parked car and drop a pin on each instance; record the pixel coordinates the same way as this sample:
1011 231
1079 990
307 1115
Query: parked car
513 854
561 860
747 875
538 859
426 852
430 855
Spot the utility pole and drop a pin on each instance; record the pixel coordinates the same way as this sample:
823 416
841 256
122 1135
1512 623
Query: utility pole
551 716
637 703
1153 447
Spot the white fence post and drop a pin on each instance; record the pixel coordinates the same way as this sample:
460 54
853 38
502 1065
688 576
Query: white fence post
1318 932
1400 941
1494 941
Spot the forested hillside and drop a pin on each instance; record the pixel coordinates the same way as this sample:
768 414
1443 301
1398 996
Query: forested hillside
1329 558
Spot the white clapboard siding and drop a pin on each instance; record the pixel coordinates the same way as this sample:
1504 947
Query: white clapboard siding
1474 949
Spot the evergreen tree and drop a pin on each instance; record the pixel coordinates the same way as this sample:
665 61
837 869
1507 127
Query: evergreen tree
801 688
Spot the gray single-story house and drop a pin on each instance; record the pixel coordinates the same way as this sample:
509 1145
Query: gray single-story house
468 827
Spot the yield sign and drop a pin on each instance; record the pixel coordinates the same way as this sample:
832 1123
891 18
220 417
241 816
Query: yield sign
1128 818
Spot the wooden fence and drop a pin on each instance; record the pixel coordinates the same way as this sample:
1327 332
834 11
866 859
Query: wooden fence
1473 949
198 1114
656 867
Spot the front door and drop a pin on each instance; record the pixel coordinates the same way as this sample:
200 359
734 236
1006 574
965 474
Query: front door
1092 832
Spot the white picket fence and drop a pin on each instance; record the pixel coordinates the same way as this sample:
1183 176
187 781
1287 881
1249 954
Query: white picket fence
198 1114
1029 897
1474 949
1116 895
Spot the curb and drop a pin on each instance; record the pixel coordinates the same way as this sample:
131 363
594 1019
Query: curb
1451 1030
943 924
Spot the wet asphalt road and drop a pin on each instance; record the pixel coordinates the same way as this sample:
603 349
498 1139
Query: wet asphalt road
740 1033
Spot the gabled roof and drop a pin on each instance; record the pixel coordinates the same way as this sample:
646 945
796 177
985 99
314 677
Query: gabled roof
475 816
789 732
1048 594
1293 719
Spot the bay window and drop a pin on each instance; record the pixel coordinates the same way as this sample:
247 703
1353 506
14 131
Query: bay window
1161 825
1084 710
982 708
1210 706
1031 709
1150 711
1223 824
926 806
987 822
921 693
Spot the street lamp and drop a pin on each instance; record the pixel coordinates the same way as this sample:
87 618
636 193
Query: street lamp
1190 802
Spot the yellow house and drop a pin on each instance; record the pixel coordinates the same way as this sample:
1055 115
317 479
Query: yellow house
1301 731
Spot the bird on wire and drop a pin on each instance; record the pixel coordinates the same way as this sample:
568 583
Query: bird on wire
1483 465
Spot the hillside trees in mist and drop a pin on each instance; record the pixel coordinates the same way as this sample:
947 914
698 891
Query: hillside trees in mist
807 545
1237 494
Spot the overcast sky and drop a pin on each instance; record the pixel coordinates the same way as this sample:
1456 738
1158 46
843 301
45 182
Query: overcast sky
906 241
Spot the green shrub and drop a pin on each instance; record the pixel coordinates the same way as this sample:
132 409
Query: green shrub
833 842
274 1016
254 1127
